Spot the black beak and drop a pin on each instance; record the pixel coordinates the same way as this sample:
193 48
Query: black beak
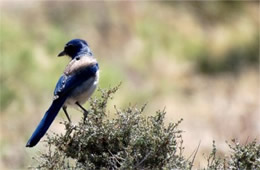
62 54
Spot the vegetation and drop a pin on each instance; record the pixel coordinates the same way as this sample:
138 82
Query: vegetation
199 60
131 141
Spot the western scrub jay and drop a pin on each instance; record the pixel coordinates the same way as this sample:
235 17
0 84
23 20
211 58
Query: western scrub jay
74 87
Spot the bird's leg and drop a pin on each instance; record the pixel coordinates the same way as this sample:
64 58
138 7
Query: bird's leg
85 112
66 113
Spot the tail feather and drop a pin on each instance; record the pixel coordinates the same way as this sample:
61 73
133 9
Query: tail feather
46 122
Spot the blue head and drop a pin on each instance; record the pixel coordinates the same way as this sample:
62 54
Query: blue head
75 48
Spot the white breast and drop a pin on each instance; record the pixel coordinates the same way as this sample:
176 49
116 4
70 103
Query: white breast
83 92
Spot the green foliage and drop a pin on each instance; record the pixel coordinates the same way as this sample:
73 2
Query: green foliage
160 48
128 141
6 95
132 141
213 161
235 59
241 157
244 157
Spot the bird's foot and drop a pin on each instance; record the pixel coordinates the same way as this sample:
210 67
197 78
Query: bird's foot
66 113
85 115
85 112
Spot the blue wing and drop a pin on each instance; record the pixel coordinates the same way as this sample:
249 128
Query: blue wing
68 82
62 91
60 85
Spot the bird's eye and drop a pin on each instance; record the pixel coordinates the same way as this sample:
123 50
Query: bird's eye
77 58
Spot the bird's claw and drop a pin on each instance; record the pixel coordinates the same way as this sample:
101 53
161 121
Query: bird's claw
85 115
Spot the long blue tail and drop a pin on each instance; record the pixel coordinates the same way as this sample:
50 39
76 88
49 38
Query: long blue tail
46 121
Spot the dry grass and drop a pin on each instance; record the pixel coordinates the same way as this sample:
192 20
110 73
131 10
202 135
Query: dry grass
159 52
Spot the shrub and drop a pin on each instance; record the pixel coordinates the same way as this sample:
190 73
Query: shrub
129 141
132 141
244 156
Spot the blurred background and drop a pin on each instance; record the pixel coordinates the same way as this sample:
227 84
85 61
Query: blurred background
198 60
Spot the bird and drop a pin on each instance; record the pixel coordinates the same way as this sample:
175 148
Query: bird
75 86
